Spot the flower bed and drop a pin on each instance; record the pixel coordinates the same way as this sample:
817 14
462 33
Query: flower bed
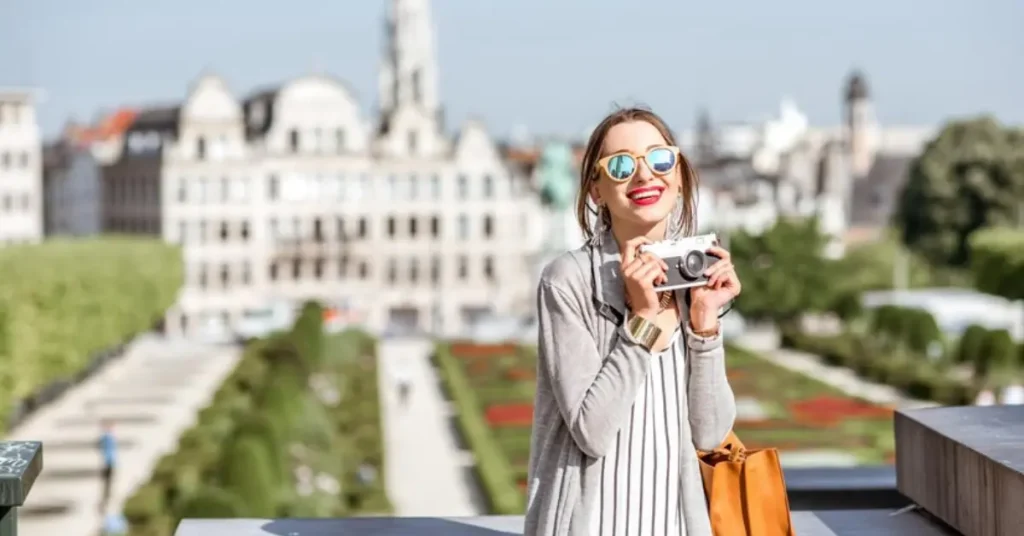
495 387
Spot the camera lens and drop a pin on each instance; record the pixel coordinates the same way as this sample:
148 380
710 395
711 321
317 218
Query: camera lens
692 265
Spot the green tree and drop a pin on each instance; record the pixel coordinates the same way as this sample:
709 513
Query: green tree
783 270
997 262
969 177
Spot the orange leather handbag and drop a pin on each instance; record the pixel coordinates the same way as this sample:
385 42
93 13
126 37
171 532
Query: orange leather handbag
746 491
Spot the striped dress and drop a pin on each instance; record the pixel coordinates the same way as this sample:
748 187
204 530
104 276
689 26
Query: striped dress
640 483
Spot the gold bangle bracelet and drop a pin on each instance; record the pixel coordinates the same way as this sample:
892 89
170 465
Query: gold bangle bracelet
643 330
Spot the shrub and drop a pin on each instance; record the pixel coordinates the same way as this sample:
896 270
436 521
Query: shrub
248 475
209 502
998 354
971 343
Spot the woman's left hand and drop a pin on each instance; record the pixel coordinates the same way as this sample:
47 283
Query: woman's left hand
723 286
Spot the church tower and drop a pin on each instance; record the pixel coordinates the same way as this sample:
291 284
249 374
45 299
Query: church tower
409 99
861 126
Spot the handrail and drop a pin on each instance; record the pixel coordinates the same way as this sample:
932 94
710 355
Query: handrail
20 465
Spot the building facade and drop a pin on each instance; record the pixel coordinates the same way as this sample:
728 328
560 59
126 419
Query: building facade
21 202
291 193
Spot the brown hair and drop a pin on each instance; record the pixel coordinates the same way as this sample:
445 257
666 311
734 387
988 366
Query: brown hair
590 173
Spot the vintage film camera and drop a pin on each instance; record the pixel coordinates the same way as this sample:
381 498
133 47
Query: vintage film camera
687 258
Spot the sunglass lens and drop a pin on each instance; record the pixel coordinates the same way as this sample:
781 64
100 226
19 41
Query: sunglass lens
661 160
621 167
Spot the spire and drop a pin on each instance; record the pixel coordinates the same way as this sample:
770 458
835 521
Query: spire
408 71
706 144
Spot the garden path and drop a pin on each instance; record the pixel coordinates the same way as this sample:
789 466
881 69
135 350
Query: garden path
151 394
428 472
765 342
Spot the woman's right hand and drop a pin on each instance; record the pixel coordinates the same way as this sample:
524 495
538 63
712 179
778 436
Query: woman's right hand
641 272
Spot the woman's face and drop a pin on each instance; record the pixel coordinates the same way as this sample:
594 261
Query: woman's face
647 198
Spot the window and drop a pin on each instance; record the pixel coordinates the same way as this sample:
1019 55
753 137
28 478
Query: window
391 227
224 232
202 232
274 188
201 148
435 269
412 227
244 231
225 275
362 230
275 230
489 268
413 187
435 186
393 188
343 265
339 139
318 230
225 189
417 87
488 186
463 187
182 232
293 140
463 227
488 226
318 268
412 141
435 226
246 273
414 270
463 267
364 270
392 271
340 228
296 268
202 276
272 271
182 191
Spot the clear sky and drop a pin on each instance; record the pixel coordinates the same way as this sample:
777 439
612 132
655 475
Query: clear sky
555 66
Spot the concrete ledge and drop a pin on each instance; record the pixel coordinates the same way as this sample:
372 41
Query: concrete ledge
964 465
824 523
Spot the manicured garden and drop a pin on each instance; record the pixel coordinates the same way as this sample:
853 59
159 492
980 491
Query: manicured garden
64 301
295 431
492 387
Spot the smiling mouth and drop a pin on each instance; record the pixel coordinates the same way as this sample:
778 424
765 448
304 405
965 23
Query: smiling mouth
645 195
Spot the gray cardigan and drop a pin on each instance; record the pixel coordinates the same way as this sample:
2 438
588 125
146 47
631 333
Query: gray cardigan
588 374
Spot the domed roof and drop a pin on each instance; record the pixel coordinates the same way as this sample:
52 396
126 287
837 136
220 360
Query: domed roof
856 87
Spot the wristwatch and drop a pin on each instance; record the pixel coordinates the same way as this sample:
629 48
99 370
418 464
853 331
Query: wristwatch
643 331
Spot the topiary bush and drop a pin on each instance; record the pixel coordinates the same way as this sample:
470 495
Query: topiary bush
971 343
249 475
212 503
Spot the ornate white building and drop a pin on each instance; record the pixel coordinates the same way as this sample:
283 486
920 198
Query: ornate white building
291 193
21 203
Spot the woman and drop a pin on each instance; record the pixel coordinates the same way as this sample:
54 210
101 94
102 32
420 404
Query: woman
630 383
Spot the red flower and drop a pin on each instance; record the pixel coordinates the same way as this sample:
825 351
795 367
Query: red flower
517 374
500 415
832 409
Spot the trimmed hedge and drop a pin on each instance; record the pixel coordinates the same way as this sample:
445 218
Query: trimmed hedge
63 301
283 437
496 475
907 371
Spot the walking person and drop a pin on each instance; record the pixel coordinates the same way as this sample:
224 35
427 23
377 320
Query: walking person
403 382
108 450
631 382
